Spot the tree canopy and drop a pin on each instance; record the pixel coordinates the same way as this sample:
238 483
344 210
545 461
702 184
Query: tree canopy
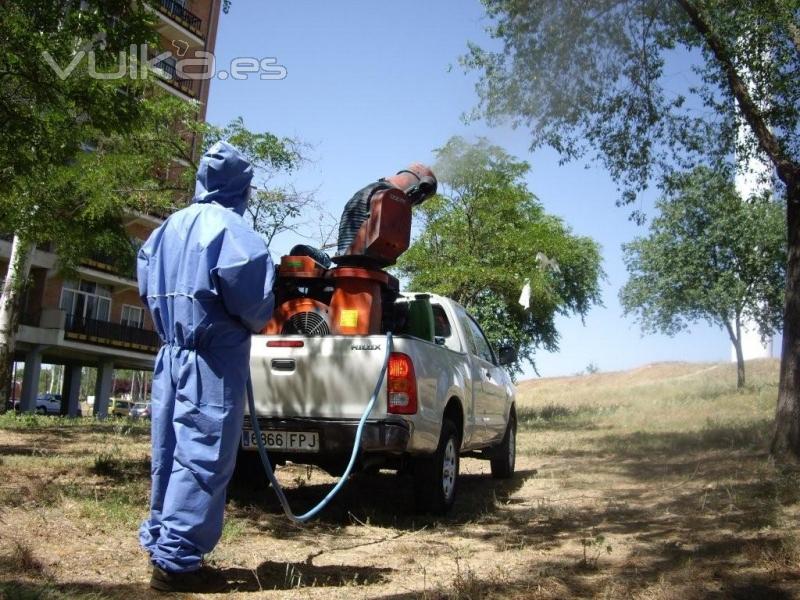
711 256
275 207
589 79
485 234
47 117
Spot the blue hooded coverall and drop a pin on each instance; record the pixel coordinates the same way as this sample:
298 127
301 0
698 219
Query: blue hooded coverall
207 278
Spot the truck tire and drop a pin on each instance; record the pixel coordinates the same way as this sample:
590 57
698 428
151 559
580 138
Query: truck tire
249 472
435 477
506 452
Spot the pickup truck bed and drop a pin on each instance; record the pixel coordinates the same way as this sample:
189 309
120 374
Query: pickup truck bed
454 398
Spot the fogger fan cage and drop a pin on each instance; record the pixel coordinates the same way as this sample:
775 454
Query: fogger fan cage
308 323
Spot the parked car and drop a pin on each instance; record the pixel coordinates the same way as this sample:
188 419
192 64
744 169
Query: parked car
119 408
439 401
140 410
48 404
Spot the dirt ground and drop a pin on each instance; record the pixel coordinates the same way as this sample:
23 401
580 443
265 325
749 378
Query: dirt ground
653 483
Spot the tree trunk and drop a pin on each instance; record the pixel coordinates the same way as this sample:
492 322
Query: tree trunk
786 441
739 360
19 266
736 340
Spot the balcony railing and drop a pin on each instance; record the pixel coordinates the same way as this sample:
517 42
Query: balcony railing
105 333
167 71
112 266
178 12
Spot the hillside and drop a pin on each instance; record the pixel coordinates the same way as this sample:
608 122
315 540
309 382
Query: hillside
763 371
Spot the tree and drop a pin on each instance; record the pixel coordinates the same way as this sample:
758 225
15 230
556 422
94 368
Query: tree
38 107
485 234
710 255
81 151
48 119
589 77
78 208
273 208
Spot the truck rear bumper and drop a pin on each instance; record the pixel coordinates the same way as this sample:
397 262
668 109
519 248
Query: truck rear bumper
337 436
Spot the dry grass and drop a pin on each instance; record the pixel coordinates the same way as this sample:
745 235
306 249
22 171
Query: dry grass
649 484
22 559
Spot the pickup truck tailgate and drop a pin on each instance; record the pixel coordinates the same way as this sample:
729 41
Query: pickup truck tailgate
327 377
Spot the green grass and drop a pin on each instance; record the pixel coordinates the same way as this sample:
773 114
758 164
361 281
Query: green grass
46 591
13 421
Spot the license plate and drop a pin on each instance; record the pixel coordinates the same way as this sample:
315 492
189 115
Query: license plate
288 441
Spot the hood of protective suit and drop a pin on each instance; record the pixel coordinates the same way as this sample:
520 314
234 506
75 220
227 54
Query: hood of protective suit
224 177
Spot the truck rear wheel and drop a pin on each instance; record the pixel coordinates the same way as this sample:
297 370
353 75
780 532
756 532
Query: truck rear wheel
249 472
435 477
506 452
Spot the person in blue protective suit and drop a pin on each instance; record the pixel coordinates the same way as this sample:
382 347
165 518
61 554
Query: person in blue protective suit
207 278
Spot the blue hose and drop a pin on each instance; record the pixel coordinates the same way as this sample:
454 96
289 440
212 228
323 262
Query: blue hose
262 450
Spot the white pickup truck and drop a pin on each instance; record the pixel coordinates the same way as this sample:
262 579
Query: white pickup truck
439 401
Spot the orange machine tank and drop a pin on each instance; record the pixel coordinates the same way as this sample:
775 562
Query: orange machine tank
352 298
356 307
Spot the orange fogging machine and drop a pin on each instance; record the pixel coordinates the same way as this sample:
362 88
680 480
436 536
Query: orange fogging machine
356 296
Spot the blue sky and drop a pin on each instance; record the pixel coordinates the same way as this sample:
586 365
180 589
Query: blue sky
370 86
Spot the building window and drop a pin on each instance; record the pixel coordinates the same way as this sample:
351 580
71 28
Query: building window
86 300
132 316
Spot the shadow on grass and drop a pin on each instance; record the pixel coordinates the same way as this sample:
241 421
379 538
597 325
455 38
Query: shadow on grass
713 436
64 429
34 590
560 579
121 470
121 488
268 575
703 502
31 451
288 576
384 499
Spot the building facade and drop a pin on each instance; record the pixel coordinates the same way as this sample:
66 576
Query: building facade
96 319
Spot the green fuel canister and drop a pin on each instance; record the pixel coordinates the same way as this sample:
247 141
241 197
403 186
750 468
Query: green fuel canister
420 317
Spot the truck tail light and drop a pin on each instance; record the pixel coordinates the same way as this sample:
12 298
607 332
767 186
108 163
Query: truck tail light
285 344
401 386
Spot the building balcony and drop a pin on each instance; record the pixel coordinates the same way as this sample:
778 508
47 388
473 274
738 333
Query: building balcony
178 13
68 338
167 73
110 266
105 333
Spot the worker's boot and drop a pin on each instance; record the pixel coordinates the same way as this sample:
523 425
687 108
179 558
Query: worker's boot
203 580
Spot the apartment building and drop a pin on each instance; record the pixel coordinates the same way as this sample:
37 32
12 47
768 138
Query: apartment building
96 319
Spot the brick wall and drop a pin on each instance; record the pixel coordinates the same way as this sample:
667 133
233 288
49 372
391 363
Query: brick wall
33 298
208 12
51 295
120 298
140 231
